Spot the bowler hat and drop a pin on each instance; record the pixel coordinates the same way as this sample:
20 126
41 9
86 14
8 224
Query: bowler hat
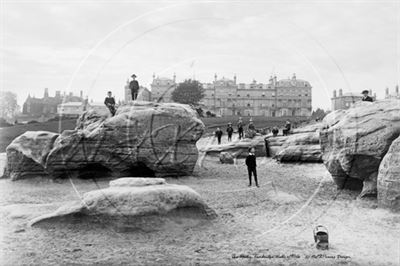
364 91
133 76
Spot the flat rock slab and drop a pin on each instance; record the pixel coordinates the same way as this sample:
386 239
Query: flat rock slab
132 205
136 182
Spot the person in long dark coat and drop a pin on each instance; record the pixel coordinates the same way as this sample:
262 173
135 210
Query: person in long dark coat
134 87
229 130
252 165
218 134
240 128
109 101
366 97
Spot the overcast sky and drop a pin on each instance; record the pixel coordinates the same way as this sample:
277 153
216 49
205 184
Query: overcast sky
95 46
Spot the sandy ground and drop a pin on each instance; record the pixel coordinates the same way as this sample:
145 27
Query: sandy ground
270 225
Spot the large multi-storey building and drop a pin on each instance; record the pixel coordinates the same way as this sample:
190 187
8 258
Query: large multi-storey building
346 100
285 97
48 105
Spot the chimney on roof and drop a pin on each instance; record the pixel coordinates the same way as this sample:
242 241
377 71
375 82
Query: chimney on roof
81 94
294 76
334 93
234 78
46 93
340 92
397 89
215 77
387 91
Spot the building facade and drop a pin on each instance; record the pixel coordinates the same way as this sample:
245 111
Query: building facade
162 88
394 95
144 93
47 105
346 100
277 98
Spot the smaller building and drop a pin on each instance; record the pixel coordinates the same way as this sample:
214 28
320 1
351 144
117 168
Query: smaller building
70 109
162 88
346 100
394 95
144 93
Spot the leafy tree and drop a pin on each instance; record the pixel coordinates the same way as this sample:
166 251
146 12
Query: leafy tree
318 114
8 104
188 92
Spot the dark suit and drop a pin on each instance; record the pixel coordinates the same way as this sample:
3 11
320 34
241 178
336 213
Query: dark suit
218 134
367 99
252 167
134 87
110 103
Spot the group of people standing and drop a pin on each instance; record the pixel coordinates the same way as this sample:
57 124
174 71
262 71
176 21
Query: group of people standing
109 101
230 130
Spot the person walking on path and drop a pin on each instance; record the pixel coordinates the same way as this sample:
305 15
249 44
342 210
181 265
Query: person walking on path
229 130
109 101
134 87
218 134
240 128
252 165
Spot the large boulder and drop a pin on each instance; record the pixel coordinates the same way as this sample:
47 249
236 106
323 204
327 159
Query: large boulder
27 154
226 158
354 142
237 148
142 139
389 178
138 202
302 145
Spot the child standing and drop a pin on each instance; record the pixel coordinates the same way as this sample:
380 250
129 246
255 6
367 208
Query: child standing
252 165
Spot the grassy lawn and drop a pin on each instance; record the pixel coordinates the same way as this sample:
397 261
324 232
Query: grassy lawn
9 133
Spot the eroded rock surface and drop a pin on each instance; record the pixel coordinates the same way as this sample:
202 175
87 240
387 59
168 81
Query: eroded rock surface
125 202
142 139
26 155
389 178
354 144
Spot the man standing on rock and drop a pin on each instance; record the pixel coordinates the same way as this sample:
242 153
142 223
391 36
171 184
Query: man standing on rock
366 97
110 103
134 87
252 165
218 134
229 130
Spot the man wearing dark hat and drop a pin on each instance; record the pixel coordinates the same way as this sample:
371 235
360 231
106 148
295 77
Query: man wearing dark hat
366 97
134 87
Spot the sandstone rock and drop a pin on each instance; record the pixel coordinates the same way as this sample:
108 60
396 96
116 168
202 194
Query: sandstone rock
136 182
301 146
130 204
226 157
236 148
142 139
389 178
27 154
354 143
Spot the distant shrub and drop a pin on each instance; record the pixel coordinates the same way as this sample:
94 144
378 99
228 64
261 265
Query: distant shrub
32 122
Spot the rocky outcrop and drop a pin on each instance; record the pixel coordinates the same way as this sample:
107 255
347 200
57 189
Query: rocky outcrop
142 139
389 178
26 155
238 149
138 202
354 144
226 158
300 147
